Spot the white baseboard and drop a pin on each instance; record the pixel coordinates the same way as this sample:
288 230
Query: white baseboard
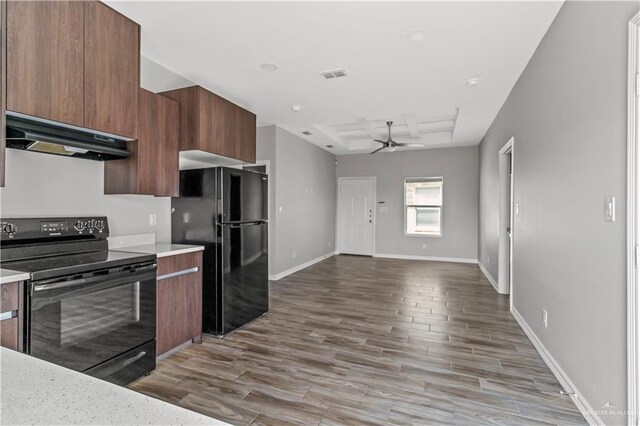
587 411
488 275
431 258
290 271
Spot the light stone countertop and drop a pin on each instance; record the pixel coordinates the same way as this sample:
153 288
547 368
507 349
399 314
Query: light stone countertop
33 391
8 276
161 249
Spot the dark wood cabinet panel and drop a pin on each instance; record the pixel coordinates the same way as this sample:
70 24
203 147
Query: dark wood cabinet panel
215 125
247 137
152 166
158 144
179 301
11 328
9 334
3 86
187 99
45 59
111 70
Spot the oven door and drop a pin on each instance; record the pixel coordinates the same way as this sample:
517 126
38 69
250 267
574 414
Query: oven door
80 322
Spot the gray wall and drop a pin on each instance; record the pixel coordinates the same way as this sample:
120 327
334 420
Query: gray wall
568 116
156 78
303 203
266 151
43 185
458 167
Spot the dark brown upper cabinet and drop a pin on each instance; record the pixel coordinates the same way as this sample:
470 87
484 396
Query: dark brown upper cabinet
215 125
152 166
111 70
74 62
45 59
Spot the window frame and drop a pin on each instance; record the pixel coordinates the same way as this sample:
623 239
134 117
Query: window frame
406 206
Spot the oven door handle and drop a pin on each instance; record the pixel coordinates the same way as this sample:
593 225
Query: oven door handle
95 279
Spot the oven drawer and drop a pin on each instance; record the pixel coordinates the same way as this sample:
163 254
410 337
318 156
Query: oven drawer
127 367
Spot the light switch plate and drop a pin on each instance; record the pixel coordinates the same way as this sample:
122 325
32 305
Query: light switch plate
610 209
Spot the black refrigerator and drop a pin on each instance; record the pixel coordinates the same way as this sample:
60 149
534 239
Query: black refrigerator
225 210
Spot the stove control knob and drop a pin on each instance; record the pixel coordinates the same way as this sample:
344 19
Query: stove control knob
99 225
80 225
9 228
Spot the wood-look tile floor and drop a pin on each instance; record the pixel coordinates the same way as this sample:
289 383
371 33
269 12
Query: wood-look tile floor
357 340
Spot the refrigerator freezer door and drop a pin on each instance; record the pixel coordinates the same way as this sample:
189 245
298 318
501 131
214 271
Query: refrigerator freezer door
244 196
244 274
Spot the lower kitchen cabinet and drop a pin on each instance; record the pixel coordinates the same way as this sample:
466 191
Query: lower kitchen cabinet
179 301
11 316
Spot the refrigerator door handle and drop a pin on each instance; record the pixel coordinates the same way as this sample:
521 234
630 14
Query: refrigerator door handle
240 225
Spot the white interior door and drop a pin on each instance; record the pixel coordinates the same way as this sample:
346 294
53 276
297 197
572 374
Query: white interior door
356 215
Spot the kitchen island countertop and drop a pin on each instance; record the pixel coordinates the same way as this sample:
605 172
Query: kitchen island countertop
161 249
33 391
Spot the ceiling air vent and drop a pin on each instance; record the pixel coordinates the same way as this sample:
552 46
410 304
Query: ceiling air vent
334 74
307 133
329 146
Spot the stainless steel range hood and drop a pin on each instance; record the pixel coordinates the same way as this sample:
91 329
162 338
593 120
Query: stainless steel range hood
50 137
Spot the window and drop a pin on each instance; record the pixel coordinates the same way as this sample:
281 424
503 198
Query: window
423 206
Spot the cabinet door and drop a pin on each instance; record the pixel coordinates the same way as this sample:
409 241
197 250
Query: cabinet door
217 123
45 59
152 166
10 306
111 71
247 138
179 301
158 145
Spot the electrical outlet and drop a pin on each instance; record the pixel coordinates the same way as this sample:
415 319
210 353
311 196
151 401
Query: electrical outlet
294 254
517 209
424 246
488 259
545 318
329 244
153 219
280 209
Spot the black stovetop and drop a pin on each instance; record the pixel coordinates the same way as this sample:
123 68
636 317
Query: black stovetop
71 264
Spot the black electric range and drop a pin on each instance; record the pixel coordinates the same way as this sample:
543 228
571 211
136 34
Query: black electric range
86 307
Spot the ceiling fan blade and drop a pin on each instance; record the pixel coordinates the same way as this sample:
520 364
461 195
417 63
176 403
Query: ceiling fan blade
379 149
378 140
411 145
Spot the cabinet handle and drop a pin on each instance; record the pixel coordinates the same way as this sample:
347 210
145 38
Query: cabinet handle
177 274
7 315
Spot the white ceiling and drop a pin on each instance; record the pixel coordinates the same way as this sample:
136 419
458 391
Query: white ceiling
220 45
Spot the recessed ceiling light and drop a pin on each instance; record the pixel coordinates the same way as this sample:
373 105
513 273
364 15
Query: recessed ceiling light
417 35
268 67
473 82
296 108
329 146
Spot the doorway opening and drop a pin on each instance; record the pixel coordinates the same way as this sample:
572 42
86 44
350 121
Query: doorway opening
356 215
633 223
506 212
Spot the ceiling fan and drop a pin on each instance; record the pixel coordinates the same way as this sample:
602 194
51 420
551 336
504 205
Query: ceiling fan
390 143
